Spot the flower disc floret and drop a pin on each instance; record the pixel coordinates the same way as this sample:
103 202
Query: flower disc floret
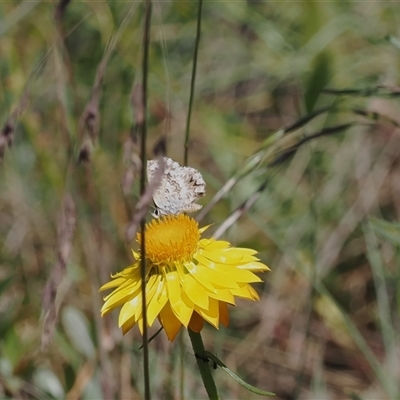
171 239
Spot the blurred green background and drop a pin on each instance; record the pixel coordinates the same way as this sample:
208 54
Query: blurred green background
270 75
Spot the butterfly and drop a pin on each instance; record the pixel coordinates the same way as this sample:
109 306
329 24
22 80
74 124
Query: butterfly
179 188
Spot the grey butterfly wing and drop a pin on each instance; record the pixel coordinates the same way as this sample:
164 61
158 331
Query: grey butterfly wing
192 187
179 189
158 195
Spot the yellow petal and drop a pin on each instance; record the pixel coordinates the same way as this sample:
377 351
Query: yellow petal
196 323
201 230
242 252
246 292
173 290
112 284
117 299
230 255
130 309
211 315
196 293
195 271
136 256
240 275
209 270
223 295
187 307
154 304
128 325
169 321
128 275
213 244
254 266
223 314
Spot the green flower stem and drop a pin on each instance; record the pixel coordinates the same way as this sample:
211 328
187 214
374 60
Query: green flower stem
204 368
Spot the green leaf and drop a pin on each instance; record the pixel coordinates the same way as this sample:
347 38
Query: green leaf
239 380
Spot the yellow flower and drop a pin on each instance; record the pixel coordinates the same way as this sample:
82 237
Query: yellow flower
189 280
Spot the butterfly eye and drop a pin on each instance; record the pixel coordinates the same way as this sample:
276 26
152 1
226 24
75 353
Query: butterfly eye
156 213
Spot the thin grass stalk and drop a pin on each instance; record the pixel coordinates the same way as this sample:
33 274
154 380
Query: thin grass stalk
186 159
192 83
164 48
146 45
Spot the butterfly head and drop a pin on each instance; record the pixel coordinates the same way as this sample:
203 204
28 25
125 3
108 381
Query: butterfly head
157 213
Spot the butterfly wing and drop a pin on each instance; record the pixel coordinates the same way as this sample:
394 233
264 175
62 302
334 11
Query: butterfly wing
180 187
158 194
191 188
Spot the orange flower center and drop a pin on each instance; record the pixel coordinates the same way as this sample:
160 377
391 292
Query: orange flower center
171 238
